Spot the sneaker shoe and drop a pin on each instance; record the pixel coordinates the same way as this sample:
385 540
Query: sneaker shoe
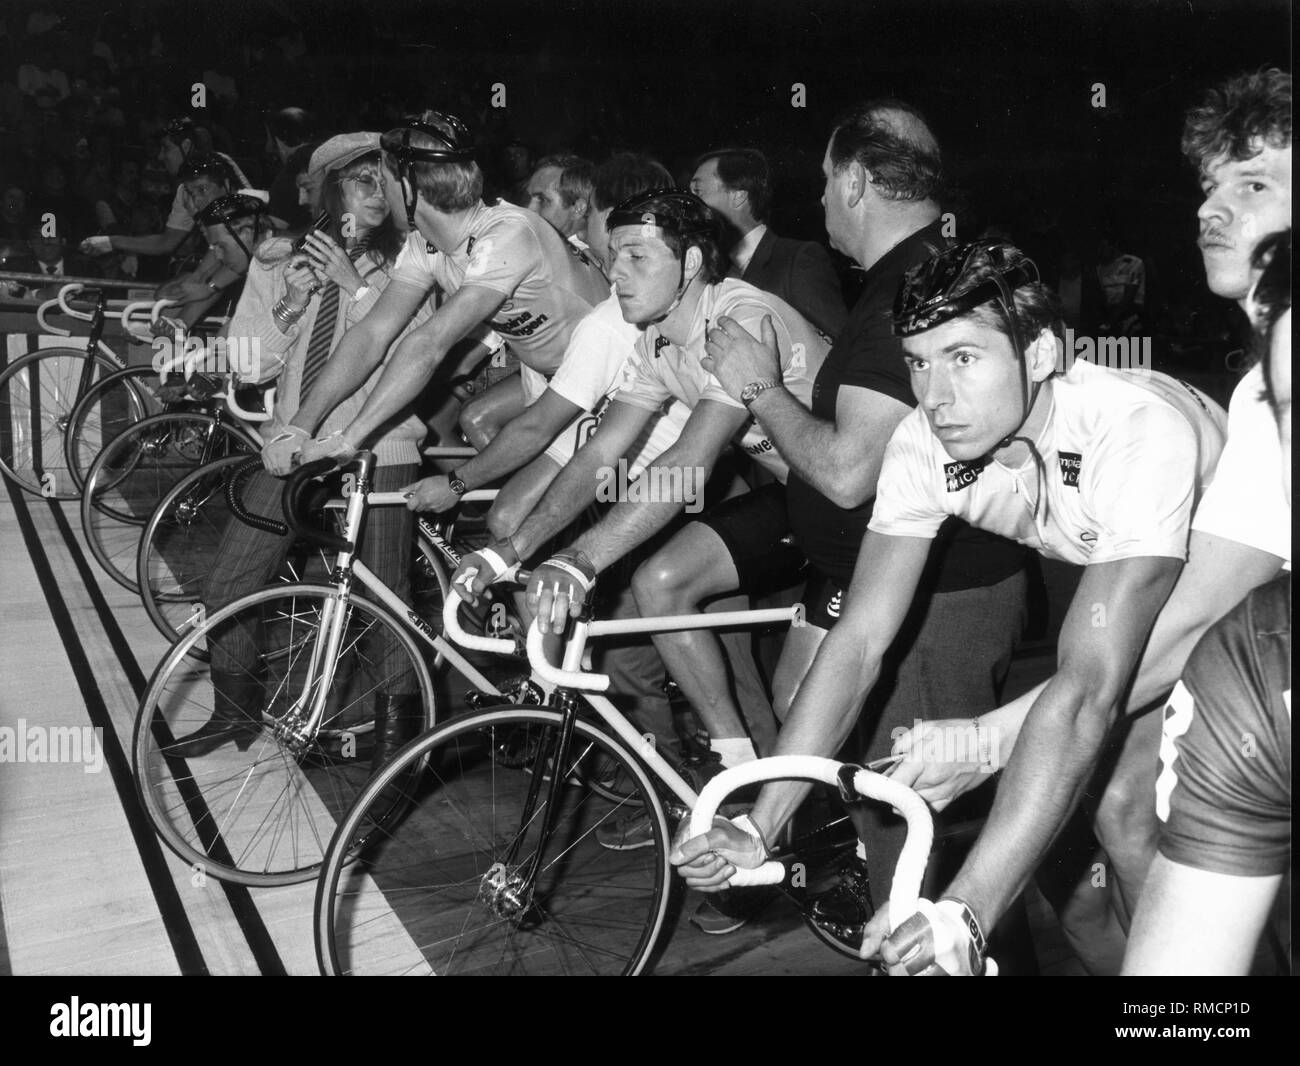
628 833
727 911
844 909
699 769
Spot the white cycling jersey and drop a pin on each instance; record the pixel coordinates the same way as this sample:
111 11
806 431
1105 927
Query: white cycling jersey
1126 455
589 376
546 288
1247 503
661 371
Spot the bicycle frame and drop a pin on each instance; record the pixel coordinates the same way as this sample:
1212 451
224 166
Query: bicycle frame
569 679
304 717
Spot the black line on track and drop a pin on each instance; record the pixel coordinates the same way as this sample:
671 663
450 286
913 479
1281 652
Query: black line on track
240 898
175 921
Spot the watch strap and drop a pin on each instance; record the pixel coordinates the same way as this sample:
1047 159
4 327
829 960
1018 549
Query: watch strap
752 390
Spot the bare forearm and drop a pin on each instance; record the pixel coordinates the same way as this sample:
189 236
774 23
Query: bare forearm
520 441
841 468
353 361
154 244
409 370
1058 749
564 500
625 527
820 721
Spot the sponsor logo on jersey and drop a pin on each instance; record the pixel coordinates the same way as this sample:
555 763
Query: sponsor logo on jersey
1070 465
661 343
521 325
1088 536
759 447
960 474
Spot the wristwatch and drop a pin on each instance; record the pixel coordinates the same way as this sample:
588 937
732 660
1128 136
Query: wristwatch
456 484
750 392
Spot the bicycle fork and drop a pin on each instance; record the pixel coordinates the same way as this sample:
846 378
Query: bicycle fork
513 895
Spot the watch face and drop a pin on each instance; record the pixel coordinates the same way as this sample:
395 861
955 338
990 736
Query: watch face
457 486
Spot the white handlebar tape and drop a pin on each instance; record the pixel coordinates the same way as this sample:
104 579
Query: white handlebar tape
906 887
451 626
556 676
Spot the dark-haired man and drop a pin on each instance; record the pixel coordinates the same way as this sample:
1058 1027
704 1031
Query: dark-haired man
503 269
1096 467
737 184
668 272
1238 139
882 171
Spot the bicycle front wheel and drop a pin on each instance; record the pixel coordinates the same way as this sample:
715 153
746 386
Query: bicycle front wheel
462 884
108 409
260 809
37 395
129 479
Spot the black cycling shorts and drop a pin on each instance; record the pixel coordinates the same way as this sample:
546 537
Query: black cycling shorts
823 600
756 531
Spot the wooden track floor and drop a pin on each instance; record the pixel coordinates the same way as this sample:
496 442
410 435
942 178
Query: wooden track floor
85 886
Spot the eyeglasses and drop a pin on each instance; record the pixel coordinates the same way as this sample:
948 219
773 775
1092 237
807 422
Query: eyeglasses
367 185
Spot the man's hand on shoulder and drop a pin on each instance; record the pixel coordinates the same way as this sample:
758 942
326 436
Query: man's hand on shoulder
736 357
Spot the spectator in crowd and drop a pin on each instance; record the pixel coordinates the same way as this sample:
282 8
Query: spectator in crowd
736 182
1123 284
1210 904
560 191
290 136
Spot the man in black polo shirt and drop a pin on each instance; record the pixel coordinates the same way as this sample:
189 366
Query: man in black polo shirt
882 171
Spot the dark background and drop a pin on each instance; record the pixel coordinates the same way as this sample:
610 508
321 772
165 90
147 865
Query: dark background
1007 86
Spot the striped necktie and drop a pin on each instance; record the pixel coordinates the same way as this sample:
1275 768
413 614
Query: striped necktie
322 336
322 333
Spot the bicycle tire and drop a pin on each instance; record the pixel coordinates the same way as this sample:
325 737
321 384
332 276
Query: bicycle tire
263 816
388 893
38 393
130 477
181 539
176 550
100 416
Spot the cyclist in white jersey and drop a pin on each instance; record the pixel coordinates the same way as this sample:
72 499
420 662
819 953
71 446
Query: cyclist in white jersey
1095 467
571 404
503 268
667 268
1238 141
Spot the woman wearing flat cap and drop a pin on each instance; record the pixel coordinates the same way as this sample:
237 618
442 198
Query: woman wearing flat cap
298 300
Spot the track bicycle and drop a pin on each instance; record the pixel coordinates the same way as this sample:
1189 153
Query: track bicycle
47 394
261 809
497 865
131 476
182 536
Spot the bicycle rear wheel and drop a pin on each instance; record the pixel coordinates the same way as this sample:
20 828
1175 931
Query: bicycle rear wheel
263 815
443 890
181 539
183 534
129 479
109 407
37 395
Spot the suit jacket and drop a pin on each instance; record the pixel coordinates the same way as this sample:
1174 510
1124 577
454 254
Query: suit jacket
800 273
